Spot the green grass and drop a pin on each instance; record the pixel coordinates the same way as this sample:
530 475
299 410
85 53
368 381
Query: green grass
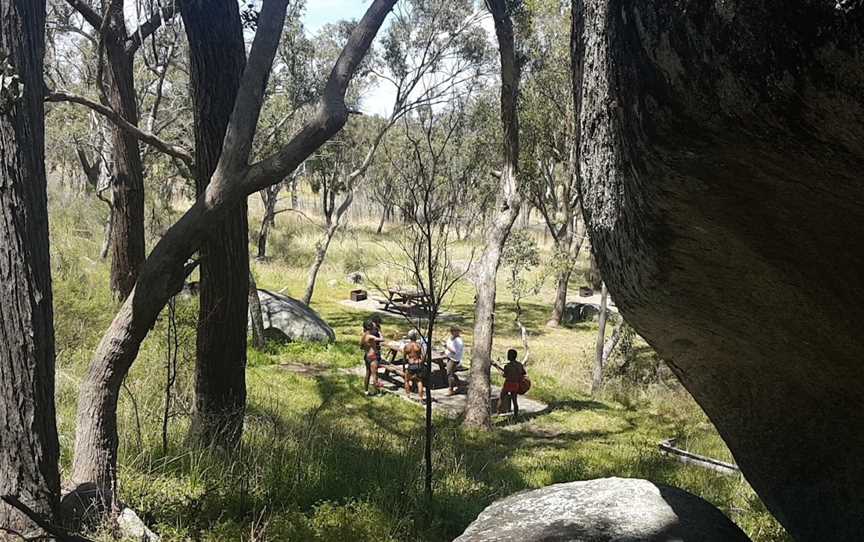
320 461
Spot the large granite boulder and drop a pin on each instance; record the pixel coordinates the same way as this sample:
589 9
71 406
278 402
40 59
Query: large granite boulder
288 319
605 510
721 167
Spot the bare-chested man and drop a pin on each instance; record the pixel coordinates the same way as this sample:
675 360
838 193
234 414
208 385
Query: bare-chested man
415 370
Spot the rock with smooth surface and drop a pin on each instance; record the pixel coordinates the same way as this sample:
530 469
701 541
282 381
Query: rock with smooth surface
721 181
289 319
604 510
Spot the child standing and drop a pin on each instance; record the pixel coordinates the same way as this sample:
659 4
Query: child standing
514 372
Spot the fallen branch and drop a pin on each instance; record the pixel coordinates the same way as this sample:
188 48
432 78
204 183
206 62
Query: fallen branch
116 118
57 532
667 447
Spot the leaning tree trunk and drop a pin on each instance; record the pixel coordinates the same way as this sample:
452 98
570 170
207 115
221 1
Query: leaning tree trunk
29 449
163 273
320 254
477 410
127 180
217 53
721 183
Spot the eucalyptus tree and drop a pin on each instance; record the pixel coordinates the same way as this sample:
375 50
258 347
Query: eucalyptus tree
217 52
507 205
297 81
431 51
233 179
28 428
548 159
116 49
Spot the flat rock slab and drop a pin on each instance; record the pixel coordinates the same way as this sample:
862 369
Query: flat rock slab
451 406
604 510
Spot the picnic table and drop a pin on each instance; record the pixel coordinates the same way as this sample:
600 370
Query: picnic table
404 300
396 357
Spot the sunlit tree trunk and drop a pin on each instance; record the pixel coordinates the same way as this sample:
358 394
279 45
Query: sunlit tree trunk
477 410
599 358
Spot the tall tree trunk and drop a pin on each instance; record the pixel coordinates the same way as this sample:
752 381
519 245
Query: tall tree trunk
477 410
163 273
597 374
127 181
217 53
29 448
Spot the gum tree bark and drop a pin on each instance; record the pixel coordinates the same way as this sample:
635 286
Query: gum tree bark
217 53
28 429
234 179
477 409
127 173
722 151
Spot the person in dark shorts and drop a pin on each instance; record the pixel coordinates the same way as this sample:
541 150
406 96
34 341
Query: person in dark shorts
415 370
370 343
455 352
514 372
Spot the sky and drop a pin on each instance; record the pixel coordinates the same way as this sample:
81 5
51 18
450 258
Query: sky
320 12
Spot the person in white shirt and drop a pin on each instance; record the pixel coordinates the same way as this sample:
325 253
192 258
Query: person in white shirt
455 352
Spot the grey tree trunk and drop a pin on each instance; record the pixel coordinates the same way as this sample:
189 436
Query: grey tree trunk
722 159
29 448
217 53
477 409
597 373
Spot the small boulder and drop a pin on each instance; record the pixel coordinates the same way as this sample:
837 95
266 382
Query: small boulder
132 527
604 510
580 312
294 320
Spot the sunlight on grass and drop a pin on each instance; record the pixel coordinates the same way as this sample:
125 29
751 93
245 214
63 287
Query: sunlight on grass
319 461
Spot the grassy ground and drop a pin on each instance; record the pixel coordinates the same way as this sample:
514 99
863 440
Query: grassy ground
320 461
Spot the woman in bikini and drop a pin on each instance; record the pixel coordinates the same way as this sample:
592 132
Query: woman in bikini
370 343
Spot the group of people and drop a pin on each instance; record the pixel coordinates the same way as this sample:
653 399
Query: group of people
414 351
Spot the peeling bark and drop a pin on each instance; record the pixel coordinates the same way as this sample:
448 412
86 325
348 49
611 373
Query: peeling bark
723 144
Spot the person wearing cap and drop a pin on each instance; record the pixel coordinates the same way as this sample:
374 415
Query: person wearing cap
455 352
